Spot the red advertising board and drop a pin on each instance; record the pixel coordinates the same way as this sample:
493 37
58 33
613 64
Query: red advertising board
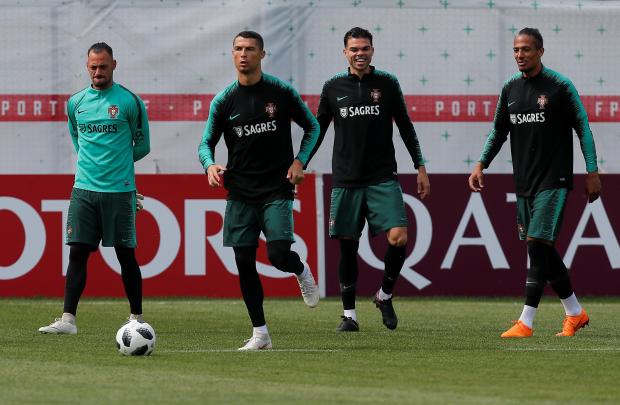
179 250
463 243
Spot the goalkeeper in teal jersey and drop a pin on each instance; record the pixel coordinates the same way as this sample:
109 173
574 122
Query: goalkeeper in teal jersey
540 108
110 131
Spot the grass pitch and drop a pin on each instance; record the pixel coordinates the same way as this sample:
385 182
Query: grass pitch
444 351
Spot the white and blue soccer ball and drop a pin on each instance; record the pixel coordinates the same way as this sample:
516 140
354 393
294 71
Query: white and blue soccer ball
136 339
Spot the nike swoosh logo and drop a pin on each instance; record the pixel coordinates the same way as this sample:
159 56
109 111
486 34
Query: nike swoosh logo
232 117
80 112
511 103
341 98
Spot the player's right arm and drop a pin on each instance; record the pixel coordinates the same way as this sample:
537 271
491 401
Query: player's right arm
210 137
494 142
324 116
72 123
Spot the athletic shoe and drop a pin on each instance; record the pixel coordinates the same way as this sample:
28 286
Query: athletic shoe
573 323
518 330
348 325
387 312
260 342
59 327
307 285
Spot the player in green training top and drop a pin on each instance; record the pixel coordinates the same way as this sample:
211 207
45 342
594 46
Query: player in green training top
364 103
540 108
110 131
255 114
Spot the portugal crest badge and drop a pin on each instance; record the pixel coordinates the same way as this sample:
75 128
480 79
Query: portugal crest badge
375 94
343 112
113 111
270 109
542 101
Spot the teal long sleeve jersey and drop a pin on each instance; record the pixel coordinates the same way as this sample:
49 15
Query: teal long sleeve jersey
110 131
256 123
540 114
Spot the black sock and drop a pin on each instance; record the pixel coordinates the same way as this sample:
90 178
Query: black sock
347 272
537 273
394 259
559 277
251 287
75 282
283 258
132 277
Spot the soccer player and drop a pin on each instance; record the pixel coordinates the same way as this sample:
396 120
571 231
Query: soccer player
255 114
540 108
110 131
363 101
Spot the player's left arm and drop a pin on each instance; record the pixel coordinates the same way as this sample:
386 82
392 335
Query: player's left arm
410 138
301 114
582 127
140 132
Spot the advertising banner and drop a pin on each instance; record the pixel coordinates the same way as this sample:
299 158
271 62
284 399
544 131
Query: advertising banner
463 243
180 237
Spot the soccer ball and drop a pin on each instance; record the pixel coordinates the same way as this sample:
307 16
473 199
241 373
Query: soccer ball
135 339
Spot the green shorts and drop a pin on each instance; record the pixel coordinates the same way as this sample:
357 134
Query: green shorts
540 216
109 218
243 222
380 204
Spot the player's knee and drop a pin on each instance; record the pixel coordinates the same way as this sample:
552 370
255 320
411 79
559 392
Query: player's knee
277 252
398 239
79 252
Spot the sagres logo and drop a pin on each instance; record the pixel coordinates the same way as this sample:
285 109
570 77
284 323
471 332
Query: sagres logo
542 101
113 111
270 109
343 112
375 94
238 131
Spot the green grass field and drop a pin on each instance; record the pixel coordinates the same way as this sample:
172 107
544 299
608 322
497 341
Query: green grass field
444 351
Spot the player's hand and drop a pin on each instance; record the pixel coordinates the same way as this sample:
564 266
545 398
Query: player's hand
139 199
295 174
214 172
593 186
475 178
424 185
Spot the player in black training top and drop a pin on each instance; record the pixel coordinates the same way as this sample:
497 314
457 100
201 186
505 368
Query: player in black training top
540 108
362 102
255 114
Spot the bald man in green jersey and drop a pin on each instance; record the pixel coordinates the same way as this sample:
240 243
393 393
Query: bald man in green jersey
110 131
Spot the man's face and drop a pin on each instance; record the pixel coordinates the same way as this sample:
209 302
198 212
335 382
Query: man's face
101 69
526 54
359 53
247 55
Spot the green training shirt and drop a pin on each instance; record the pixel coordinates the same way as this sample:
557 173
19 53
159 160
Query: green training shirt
110 131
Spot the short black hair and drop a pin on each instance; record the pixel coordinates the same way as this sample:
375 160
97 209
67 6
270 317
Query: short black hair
534 33
100 47
357 32
251 34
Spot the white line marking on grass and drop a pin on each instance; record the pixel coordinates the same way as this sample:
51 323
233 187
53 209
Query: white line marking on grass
584 349
235 350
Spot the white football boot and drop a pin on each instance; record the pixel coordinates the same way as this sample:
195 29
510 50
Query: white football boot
308 287
259 342
59 327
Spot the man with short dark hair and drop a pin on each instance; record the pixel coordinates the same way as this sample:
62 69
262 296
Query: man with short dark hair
540 108
362 101
110 131
255 114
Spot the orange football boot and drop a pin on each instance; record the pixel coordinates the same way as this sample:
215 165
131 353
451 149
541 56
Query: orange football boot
573 323
518 330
